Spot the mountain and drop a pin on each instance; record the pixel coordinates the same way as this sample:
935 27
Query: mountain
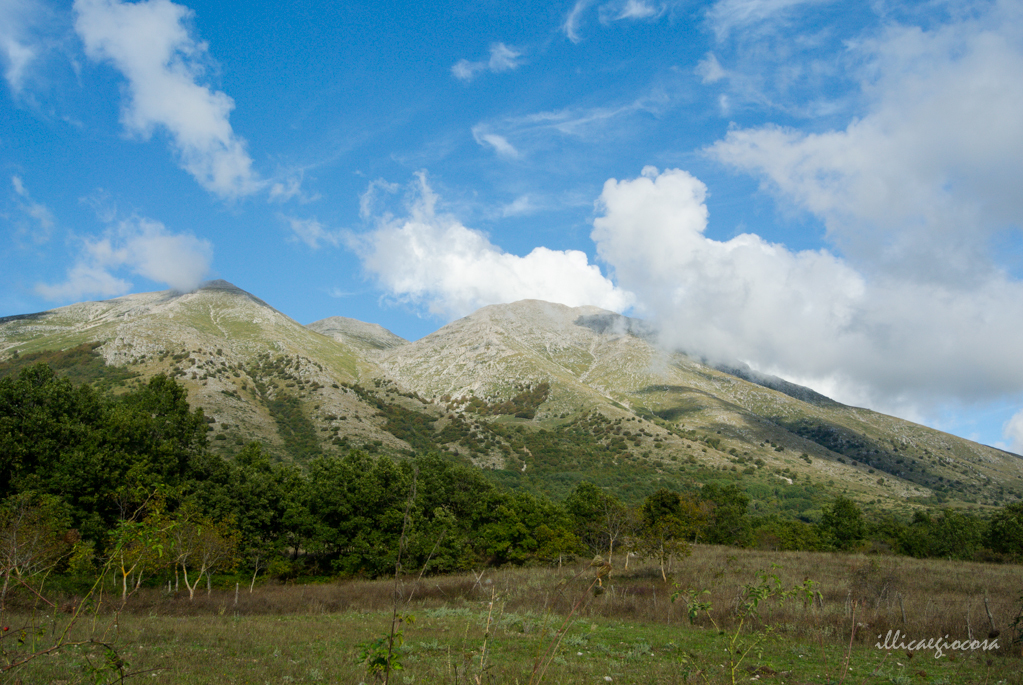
540 394
257 373
355 333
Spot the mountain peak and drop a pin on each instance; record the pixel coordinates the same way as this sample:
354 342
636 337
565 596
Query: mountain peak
357 333
564 317
220 285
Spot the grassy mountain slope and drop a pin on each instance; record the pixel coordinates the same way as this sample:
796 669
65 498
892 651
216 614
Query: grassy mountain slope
596 360
257 373
542 394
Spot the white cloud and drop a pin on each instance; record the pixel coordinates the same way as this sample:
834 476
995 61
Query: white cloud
615 10
571 25
931 171
521 206
743 15
634 10
500 144
369 200
464 70
40 224
288 186
148 42
502 58
84 280
919 309
141 246
17 47
805 315
1013 432
312 232
637 9
710 70
429 258
17 56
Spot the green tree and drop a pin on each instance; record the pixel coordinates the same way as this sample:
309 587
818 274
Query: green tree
728 522
599 518
775 533
668 520
449 496
138 548
1005 531
958 535
173 435
356 507
68 441
842 523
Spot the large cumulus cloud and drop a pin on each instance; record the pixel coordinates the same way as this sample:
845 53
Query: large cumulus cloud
431 259
809 315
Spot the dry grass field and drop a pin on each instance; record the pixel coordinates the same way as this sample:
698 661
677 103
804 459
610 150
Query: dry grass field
547 625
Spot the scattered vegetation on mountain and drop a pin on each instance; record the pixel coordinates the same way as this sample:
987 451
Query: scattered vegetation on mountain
523 405
81 364
139 463
296 430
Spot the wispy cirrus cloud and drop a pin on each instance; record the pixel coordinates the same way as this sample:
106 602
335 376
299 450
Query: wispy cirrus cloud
570 27
515 136
498 143
613 11
312 232
787 56
502 58
634 10
151 45
728 16
38 219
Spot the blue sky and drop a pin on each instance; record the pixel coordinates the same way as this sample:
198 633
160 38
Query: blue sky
827 191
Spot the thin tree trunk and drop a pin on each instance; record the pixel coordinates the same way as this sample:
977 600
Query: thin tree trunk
192 586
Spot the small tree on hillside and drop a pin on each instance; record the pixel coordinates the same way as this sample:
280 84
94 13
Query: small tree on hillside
842 523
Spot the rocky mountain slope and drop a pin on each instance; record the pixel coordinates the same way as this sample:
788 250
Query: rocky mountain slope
542 393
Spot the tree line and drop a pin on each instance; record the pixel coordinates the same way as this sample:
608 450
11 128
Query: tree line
89 479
